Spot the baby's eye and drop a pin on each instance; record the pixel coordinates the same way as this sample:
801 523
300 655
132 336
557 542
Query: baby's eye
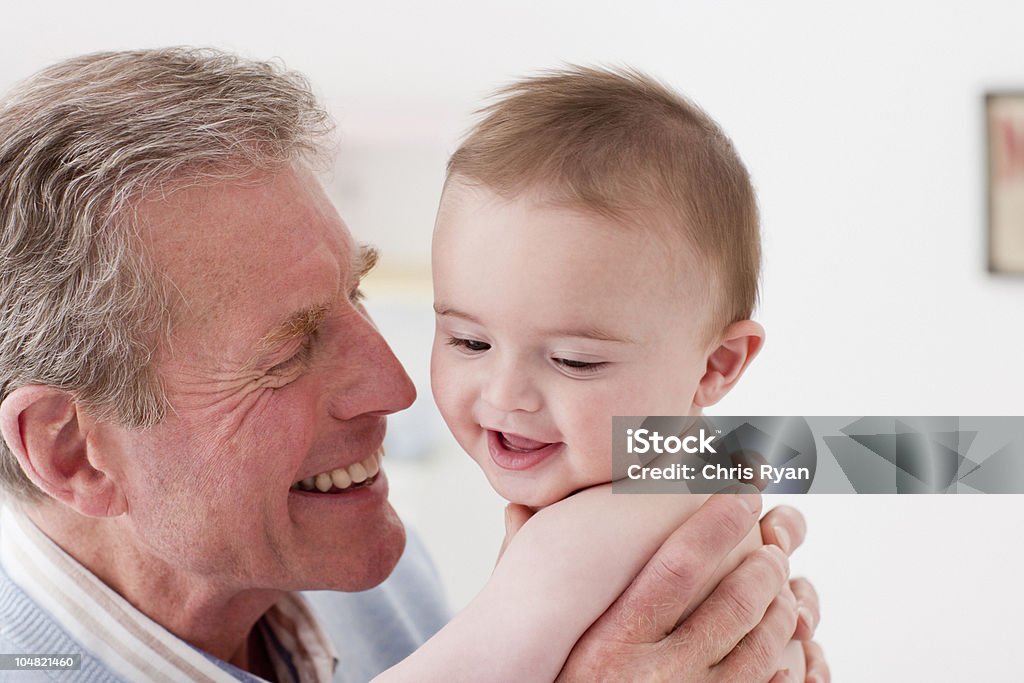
578 367
468 345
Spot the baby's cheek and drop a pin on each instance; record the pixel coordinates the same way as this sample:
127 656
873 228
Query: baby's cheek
592 462
599 472
466 431
457 418
448 392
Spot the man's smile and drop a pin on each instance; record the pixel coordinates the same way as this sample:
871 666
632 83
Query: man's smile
356 475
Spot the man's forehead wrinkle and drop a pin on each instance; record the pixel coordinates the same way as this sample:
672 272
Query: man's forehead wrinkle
221 245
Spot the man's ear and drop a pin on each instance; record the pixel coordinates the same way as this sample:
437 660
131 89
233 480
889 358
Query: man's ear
42 427
739 344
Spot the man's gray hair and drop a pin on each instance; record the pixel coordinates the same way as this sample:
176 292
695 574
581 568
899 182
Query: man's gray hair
80 144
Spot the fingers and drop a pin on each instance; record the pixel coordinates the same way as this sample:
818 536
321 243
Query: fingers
756 656
817 667
745 457
791 664
737 607
515 517
808 611
784 526
672 579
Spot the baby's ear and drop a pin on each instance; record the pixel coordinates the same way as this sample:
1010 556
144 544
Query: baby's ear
42 428
737 346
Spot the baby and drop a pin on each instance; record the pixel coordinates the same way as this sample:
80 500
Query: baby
596 253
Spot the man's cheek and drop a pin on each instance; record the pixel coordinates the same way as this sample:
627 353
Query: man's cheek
245 416
270 432
221 451
215 481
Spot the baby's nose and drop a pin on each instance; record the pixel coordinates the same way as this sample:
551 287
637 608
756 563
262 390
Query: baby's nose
511 388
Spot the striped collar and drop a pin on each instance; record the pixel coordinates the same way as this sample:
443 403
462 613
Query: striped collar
133 645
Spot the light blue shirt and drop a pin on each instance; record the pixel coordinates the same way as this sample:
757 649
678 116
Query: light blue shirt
371 630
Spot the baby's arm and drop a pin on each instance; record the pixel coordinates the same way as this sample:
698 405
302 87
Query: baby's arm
558 575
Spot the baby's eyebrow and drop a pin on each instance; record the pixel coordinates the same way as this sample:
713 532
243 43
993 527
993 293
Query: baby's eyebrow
586 332
595 333
441 309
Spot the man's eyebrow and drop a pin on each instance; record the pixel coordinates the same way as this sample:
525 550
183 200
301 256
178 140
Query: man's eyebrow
586 332
305 322
364 259
298 325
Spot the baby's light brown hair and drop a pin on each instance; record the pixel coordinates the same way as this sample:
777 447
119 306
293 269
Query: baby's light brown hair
620 143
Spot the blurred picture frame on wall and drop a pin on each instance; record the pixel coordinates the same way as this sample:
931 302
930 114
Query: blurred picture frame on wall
1004 137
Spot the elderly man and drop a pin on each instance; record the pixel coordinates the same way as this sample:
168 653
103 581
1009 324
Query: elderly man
181 344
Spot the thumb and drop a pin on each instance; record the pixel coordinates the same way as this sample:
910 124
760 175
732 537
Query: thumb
515 517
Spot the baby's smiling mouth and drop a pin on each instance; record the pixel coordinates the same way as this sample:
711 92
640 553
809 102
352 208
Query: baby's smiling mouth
520 444
517 453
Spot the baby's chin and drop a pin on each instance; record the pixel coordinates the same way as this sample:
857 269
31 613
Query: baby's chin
532 494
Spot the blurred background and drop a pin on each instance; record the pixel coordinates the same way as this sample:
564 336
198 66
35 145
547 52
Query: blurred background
863 127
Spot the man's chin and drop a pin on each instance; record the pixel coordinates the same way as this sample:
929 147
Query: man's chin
372 562
389 552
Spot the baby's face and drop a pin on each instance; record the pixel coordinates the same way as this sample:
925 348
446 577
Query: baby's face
549 322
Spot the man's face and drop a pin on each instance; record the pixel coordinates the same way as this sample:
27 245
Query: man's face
549 322
274 374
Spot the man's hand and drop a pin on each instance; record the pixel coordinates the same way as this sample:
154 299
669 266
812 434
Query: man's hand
737 634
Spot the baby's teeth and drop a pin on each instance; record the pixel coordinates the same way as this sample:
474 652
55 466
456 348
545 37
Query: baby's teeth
358 472
340 478
323 482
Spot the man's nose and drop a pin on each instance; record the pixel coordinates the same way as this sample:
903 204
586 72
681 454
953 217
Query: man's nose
509 387
370 380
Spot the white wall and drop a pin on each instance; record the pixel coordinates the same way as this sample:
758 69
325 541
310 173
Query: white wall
862 126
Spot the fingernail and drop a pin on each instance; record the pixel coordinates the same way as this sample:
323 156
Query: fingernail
751 500
508 521
804 615
781 538
744 495
780 557
784 673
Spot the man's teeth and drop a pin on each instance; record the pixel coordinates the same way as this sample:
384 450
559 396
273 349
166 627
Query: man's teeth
343 477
